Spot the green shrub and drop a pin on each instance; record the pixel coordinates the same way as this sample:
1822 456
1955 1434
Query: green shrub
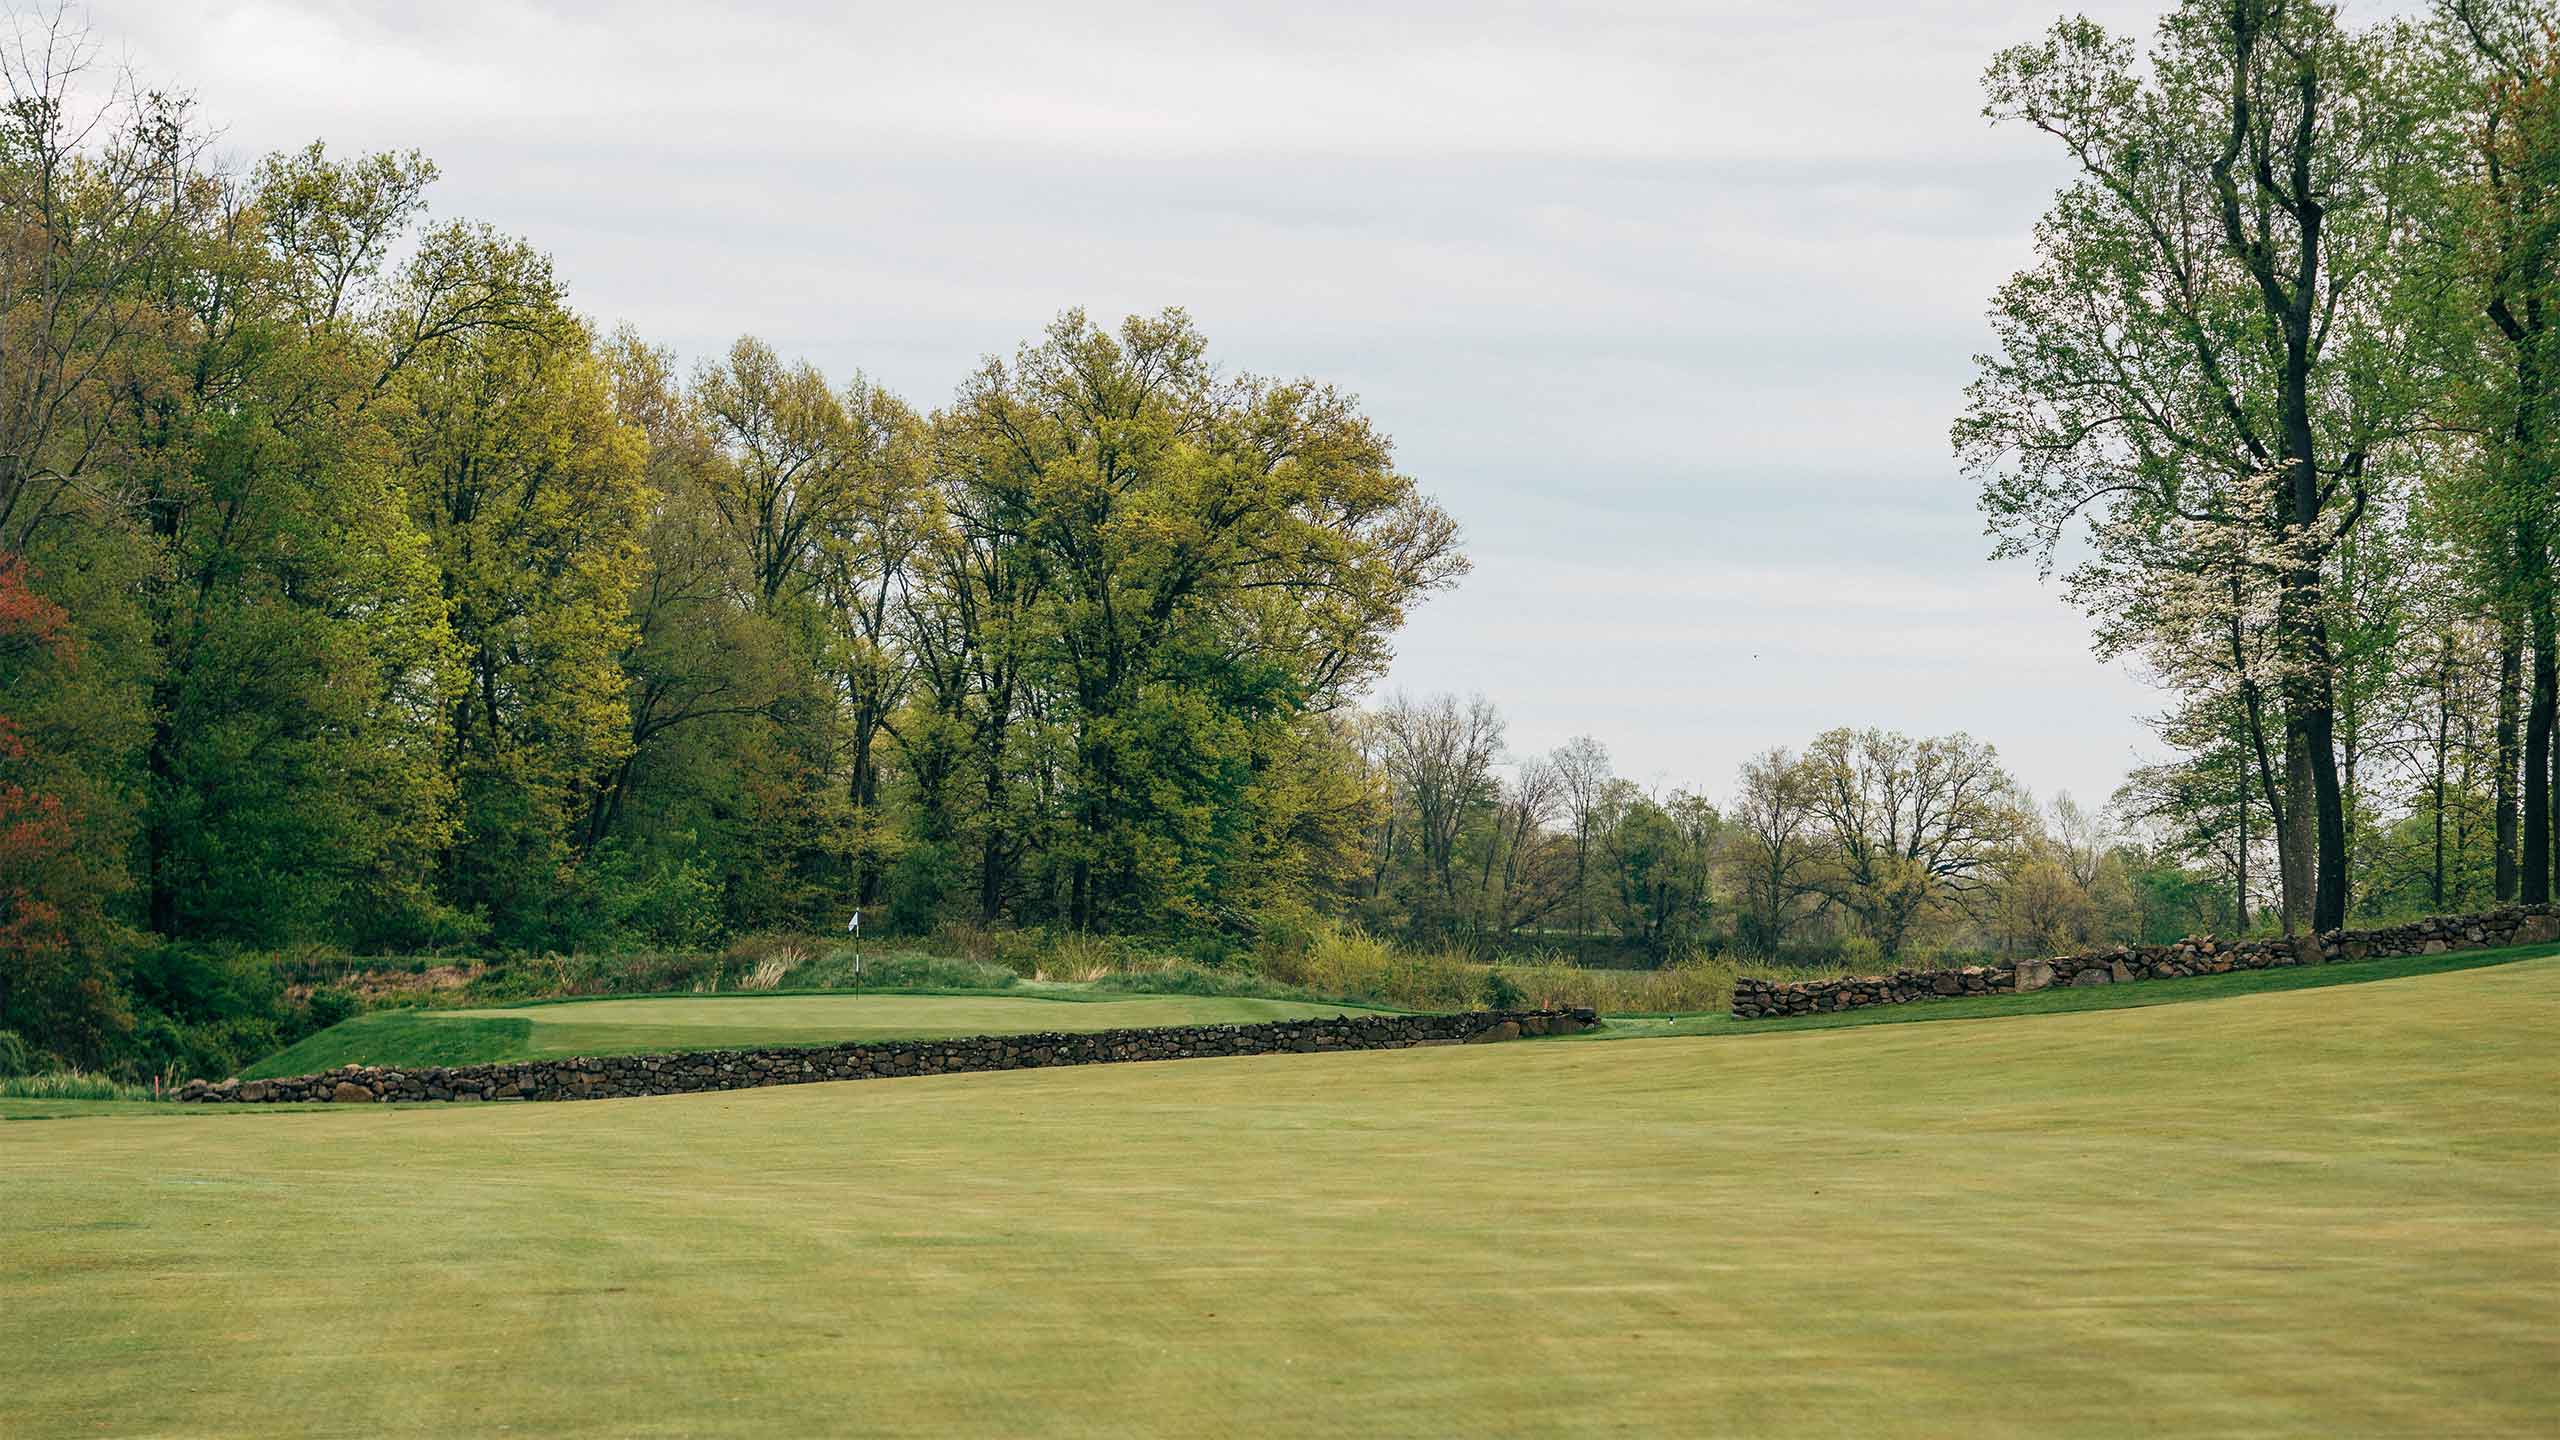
203 1011
1859 956
16 1056
1213 952
1500 992
1184 978
329 1005
908 970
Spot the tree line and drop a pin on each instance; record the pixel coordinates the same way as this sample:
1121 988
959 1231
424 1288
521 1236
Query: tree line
358 592
2277 398
1865 846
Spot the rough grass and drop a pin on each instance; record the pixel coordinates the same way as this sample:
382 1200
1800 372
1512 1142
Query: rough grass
1345 962
650 1025
2314 1213
1337 964
69 1085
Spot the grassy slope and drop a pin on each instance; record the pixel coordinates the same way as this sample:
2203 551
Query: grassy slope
2318 1213
687 1022
2066 999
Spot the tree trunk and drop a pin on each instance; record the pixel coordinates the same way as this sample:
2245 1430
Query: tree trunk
2510 707
2444 746
2296 834
2315 808
862 789
159 860
168 687
2535 886
2240 878
2329 897
991 852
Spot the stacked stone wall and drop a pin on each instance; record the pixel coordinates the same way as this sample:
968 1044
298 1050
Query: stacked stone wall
608 1077
1758 999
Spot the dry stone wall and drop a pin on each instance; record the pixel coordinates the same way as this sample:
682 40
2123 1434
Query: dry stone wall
1755 999
622 1075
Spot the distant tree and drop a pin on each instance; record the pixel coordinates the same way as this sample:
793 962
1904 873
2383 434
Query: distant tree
2081 838
1658 853
1583 779
1775 847
1439 755
1911 828
1527 875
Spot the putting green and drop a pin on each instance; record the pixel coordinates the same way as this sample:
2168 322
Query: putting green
2313 1213
690 1022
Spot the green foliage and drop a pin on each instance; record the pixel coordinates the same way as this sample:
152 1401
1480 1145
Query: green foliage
1859 955
909 971
1185 978
207 1010
656 901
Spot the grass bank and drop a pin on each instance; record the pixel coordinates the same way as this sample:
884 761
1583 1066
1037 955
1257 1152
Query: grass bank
2311 1213
2066 1000
658 1025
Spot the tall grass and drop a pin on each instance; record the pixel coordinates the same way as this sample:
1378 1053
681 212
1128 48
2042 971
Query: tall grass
69 1085
1346 963
1333 963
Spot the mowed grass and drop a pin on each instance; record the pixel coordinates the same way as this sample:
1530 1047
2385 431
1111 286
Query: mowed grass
2322 1212
2071 999
656 1025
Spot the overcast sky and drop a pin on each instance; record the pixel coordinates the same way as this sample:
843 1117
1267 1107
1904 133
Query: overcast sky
1669 304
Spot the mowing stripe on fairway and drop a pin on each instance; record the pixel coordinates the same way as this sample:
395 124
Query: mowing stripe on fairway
2321 1212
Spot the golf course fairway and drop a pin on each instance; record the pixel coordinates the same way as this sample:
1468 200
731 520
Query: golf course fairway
2322 1212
